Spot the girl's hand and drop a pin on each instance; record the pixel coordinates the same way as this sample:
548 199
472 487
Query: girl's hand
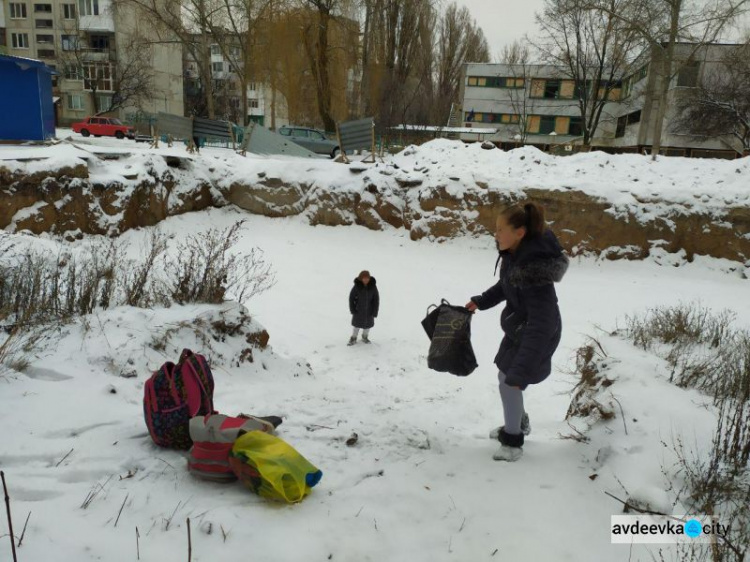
471 306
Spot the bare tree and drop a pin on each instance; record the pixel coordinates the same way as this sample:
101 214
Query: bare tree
315 37
517 58
127 81
235 29
720 104
460 40
187 22
593 48
662 24
400 60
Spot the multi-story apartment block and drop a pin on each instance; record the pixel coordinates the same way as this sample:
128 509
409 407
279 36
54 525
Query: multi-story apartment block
264 106
3 37
88 43
538 104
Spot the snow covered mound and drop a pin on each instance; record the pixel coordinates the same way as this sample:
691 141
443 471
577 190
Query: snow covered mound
619 206
630 183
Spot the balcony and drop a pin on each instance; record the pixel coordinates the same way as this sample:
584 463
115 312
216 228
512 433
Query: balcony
96 15
102 22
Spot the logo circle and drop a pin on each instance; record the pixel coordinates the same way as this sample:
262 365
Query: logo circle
693 528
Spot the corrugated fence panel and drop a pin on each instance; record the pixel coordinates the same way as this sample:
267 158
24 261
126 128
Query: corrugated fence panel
260 140
356 135
178 127
208 128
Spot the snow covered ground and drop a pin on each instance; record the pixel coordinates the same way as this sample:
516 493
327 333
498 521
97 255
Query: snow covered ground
421 484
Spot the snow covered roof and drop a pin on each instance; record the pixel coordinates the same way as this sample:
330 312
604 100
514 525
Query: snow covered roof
432 128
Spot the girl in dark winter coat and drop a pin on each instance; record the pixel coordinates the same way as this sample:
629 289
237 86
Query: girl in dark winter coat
364 302
532 261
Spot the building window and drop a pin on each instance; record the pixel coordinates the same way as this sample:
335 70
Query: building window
45 39
44 24
495 82
215 50
75 102
551 90
505 118
88 7
43 8
45 53
17 11
253 104
217 66
99 43
69 42
622 122
98 76
19 40
627 84
252 87
69 11
235 52
104 102
575 129
688 75
72 72
547 124
625 120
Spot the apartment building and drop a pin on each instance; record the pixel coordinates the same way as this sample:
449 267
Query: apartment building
3 36
264 105
538 104
90 44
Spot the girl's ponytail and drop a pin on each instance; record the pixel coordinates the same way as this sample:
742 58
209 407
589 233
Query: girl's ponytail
530 216
535 224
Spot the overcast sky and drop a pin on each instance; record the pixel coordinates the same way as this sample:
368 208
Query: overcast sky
503 21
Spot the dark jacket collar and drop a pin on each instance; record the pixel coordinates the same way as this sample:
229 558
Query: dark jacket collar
538 260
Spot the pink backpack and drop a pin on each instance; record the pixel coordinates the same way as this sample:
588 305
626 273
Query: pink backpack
173 395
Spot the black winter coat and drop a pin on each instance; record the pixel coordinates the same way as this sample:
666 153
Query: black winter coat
364 302
531 319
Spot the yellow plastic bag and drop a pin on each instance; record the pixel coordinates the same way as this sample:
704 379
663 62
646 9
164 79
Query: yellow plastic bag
272 468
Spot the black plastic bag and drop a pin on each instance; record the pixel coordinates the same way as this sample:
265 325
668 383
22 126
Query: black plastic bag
449 330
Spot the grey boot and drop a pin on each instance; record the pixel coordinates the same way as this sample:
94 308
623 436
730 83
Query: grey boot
352 341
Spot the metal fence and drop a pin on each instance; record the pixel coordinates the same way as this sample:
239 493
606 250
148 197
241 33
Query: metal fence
174 125
356 135
259 140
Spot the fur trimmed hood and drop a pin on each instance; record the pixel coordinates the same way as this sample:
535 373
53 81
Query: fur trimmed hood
538 261
372 283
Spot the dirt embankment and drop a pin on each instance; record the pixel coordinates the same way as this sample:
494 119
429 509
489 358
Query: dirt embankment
67 201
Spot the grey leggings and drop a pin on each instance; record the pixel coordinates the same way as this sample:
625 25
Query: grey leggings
365 333
512 405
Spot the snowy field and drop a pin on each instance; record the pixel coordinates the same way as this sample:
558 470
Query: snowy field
421 484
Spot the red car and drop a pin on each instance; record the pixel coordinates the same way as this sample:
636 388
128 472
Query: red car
104 126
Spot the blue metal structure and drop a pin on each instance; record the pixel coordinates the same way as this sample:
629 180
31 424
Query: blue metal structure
26 110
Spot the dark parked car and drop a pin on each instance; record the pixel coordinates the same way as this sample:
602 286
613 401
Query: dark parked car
311 139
